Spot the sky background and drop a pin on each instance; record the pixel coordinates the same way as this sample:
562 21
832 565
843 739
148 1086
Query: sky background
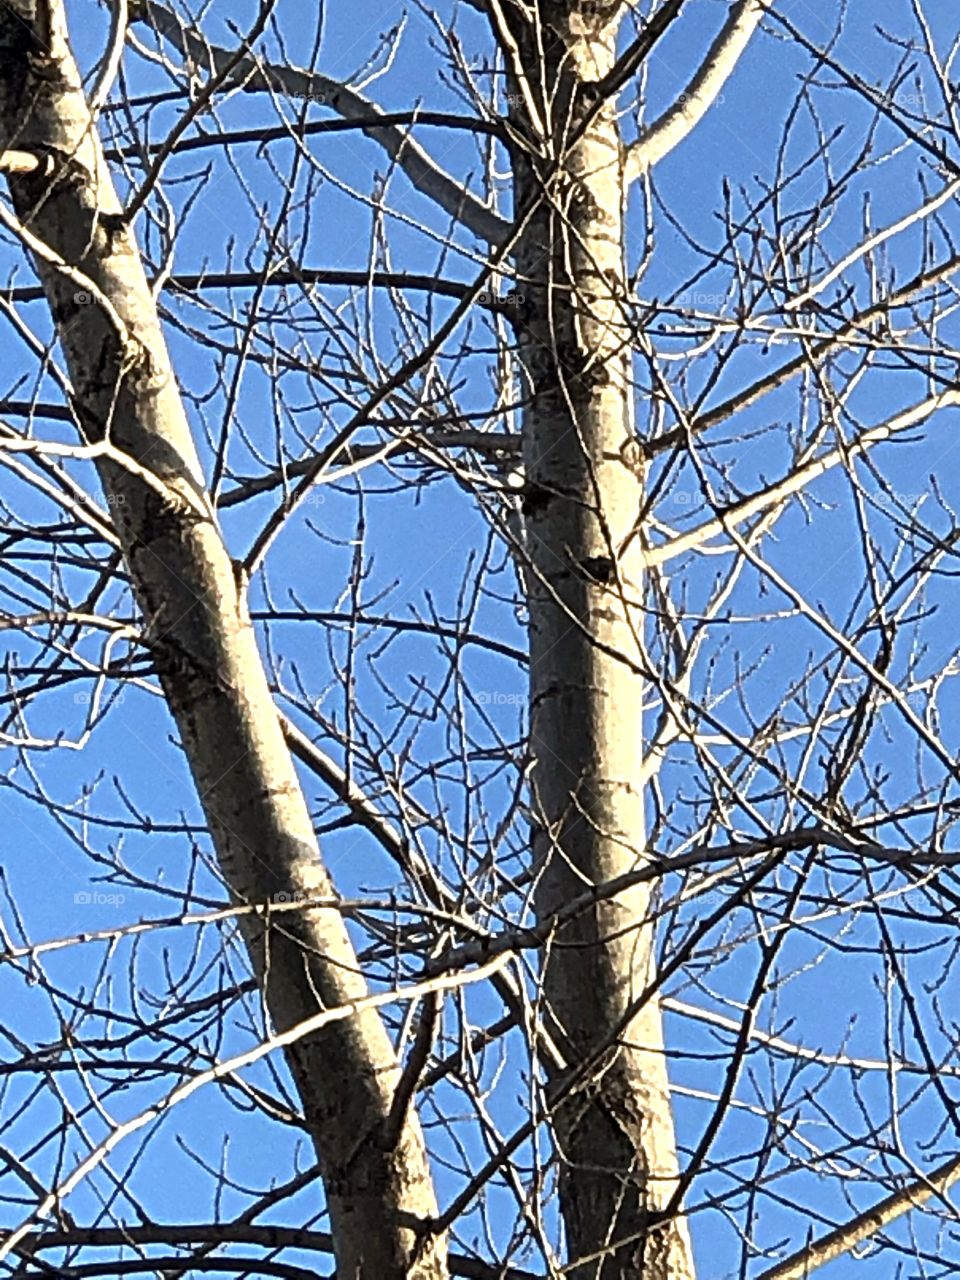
422 546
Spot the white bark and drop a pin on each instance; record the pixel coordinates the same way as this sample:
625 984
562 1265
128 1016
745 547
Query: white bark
683 116
420 168
615 1133
206 654
801 475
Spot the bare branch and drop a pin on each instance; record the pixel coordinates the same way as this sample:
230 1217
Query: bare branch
255 75
670 129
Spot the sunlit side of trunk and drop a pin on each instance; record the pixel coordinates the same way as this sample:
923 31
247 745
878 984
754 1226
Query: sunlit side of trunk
206 655
614 1129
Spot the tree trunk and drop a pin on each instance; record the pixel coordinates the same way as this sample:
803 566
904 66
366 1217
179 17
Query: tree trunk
200 636
614 1129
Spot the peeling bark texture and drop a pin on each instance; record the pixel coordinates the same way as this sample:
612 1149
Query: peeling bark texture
614 1130
127 401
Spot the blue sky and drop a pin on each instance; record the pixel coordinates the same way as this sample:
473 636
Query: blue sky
422 547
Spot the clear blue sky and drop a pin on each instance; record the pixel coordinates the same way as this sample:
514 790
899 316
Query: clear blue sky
425 541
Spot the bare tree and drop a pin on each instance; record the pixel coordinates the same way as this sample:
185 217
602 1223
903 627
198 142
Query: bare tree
496 495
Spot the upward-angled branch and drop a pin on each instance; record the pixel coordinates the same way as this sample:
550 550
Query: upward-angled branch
798 479
849 332
254 73
845 1238
688 110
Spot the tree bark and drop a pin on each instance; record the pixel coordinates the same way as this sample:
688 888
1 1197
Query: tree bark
200 636
614 1129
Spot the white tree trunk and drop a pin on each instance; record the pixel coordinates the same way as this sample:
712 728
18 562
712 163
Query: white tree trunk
127 401
614 1130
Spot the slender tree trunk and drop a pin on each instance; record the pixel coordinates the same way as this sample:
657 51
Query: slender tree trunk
614 1129
200 636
